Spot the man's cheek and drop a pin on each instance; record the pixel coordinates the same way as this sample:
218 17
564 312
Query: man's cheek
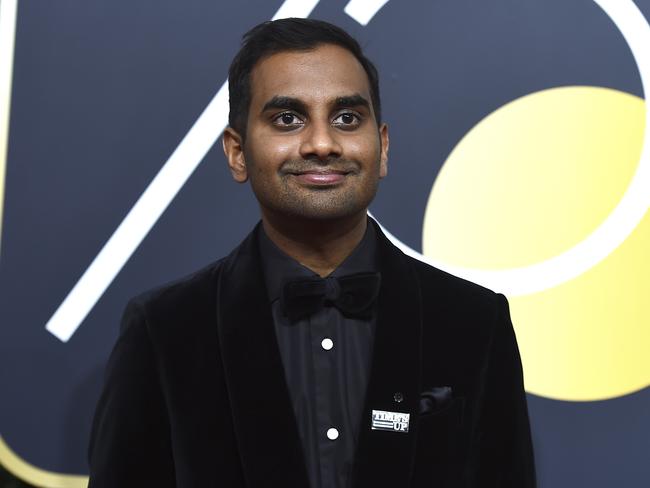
362 149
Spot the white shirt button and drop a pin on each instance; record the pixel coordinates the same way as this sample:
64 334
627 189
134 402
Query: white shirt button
327 344
332 434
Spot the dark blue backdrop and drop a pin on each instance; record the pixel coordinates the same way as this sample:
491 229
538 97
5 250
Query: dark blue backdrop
103 92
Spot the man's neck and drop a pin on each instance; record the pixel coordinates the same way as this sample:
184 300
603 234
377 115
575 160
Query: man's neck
320 245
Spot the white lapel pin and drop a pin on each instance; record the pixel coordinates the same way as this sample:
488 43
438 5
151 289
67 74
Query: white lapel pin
390 421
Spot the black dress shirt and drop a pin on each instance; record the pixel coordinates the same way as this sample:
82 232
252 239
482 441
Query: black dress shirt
326 359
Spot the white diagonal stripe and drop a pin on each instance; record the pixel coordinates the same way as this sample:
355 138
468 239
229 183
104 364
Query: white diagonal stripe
363 10
8 10
295 8
152 203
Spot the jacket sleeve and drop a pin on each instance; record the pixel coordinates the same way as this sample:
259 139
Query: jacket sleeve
503 452
130 439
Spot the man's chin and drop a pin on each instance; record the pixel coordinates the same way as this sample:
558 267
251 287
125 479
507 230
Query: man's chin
318 205
325 212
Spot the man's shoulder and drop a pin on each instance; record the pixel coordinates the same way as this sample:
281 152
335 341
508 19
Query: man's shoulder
436 284
443 292
448 283
197 285
187 303
459 313
196 289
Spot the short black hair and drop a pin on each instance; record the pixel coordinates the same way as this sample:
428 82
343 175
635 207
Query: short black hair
294 34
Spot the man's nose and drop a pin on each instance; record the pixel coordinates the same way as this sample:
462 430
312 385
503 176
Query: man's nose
320 142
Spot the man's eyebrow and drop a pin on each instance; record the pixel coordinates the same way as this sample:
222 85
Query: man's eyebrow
285 103
355 100
280 102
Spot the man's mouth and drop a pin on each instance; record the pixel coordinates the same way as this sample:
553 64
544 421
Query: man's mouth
320 177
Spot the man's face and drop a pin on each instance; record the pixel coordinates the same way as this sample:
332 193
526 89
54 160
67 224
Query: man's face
312 147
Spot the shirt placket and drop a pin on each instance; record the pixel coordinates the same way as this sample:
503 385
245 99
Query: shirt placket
329 425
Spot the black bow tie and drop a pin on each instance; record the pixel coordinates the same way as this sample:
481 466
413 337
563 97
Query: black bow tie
353 295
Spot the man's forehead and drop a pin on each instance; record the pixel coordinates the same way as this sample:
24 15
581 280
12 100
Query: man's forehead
324 73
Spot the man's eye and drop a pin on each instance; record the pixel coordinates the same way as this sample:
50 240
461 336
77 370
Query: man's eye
347 119
287 119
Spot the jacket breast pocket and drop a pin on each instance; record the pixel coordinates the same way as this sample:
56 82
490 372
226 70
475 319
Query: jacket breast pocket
437 462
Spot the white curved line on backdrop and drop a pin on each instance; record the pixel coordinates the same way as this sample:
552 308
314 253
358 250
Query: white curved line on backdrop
152 203
618 225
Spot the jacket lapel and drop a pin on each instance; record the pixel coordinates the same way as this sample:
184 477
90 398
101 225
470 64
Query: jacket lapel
265 426
263 418
386 458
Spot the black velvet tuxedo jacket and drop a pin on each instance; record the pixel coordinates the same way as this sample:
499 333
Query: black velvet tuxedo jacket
196 397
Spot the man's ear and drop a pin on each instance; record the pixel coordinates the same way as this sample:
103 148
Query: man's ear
383 157
233 147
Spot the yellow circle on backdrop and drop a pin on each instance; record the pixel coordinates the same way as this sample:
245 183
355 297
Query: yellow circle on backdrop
531 180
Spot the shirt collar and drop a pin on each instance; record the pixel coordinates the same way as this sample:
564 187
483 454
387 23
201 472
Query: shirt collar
278 267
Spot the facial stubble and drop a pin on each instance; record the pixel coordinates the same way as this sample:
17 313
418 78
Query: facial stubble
290 199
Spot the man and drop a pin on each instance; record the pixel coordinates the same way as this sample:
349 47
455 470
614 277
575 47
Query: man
316 353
